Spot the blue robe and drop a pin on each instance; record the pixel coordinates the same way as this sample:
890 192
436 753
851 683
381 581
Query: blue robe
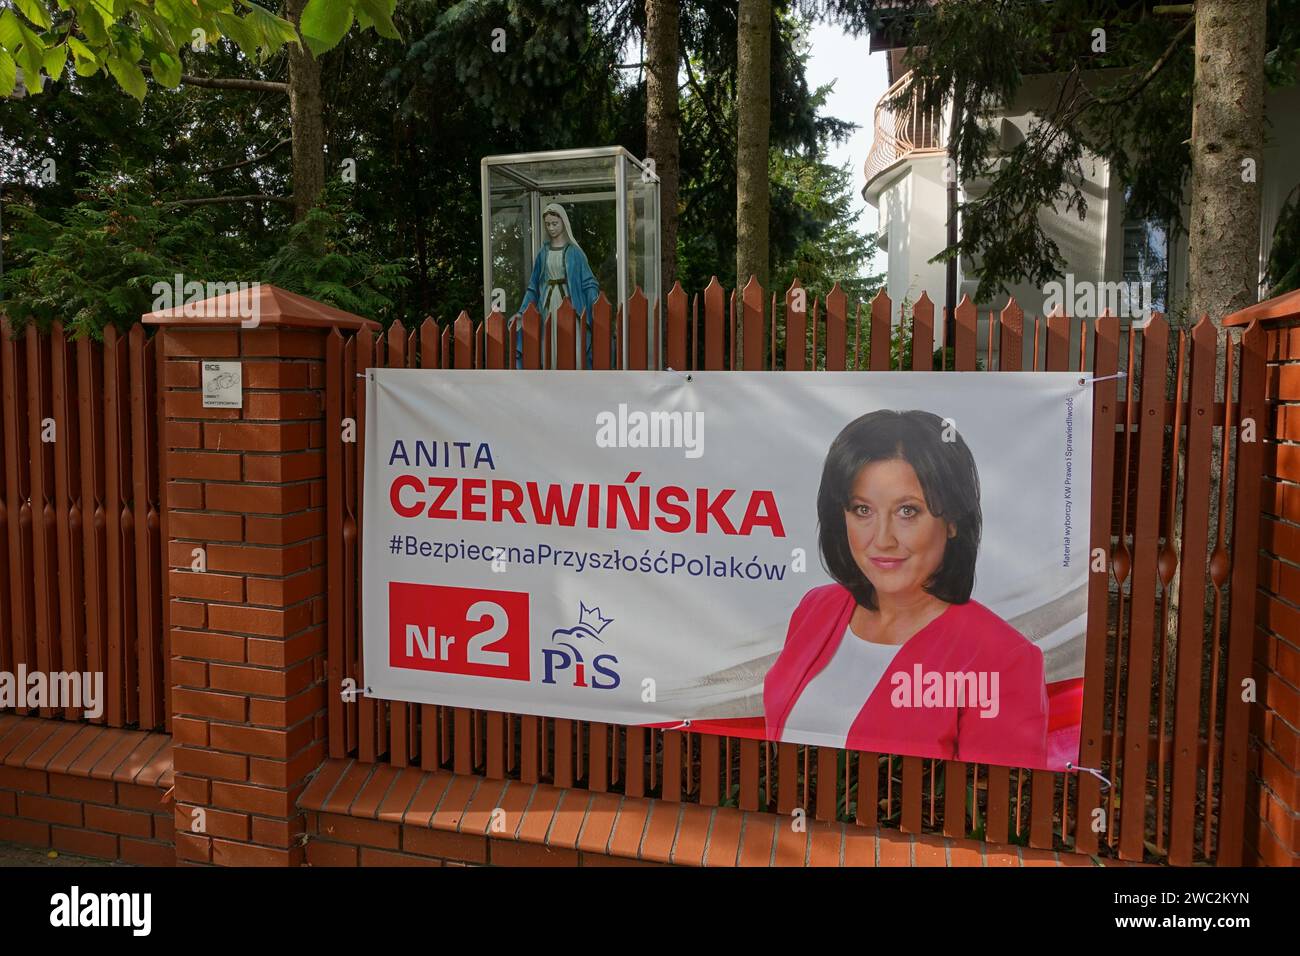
580 281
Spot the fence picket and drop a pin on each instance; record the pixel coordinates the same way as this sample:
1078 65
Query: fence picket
923 334
44 565
956 772
566 359
458 347
1133 795
796 327
1241 609
17 480
881 326
998 779
1042 795
1167 566
367 731
715 330
144 439
67 514
118 528
397 710
752 327
837 331
796 344
8 461
1104 416
1188 696
567 338
602 332
531 738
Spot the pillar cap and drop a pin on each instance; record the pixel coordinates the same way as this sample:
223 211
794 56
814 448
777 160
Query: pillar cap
1277 309
275 308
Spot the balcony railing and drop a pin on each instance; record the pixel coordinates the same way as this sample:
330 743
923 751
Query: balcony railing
902 134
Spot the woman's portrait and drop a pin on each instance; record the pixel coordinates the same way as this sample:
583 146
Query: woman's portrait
894 655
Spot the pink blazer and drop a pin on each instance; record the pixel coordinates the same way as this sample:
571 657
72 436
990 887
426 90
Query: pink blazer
966 637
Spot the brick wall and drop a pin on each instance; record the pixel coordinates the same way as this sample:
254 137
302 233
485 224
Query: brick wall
1273 830
246 493
363 814
341 840
92 791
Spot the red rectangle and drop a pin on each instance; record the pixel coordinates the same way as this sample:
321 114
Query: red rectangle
471 631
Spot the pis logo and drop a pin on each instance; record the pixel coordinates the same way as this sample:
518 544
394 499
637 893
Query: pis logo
567 658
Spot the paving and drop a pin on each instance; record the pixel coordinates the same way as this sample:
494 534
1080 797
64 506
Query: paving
13 854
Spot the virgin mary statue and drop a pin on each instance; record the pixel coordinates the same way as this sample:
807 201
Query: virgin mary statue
560 269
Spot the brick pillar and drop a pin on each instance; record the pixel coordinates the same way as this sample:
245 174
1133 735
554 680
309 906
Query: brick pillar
245 493
1272 831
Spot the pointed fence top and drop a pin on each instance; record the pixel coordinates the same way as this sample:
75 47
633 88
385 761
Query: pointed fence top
256 304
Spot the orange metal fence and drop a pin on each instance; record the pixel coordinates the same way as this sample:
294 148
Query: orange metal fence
1161 717
899 133
80 523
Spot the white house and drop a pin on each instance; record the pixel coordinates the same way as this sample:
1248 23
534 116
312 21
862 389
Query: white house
905 182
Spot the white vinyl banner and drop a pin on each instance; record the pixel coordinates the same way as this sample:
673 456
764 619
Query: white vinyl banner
884 561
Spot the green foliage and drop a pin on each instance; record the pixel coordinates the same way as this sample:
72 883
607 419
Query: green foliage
123 38
1284 255
810 223
98 261
325 258
511 59
325 22
418 148
813 201
405 242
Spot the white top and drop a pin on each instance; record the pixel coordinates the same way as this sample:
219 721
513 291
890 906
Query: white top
551 295
832 700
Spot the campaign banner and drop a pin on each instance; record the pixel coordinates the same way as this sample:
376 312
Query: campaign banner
889 562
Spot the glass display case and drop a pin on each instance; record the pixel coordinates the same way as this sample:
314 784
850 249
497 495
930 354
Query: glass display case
610 201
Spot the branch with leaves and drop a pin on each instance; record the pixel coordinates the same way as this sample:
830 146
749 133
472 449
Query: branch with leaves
132 39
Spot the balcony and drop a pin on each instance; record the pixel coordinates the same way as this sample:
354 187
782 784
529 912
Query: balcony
901 135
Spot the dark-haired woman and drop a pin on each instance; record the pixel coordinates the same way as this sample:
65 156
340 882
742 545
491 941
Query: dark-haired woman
894 656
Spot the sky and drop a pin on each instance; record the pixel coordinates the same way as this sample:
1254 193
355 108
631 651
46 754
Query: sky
860 81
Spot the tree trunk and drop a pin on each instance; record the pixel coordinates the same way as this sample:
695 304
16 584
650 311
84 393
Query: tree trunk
1227 140
306 119
1223 233
753 117
662 124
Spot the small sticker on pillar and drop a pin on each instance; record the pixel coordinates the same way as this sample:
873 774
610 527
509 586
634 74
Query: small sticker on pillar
223 385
